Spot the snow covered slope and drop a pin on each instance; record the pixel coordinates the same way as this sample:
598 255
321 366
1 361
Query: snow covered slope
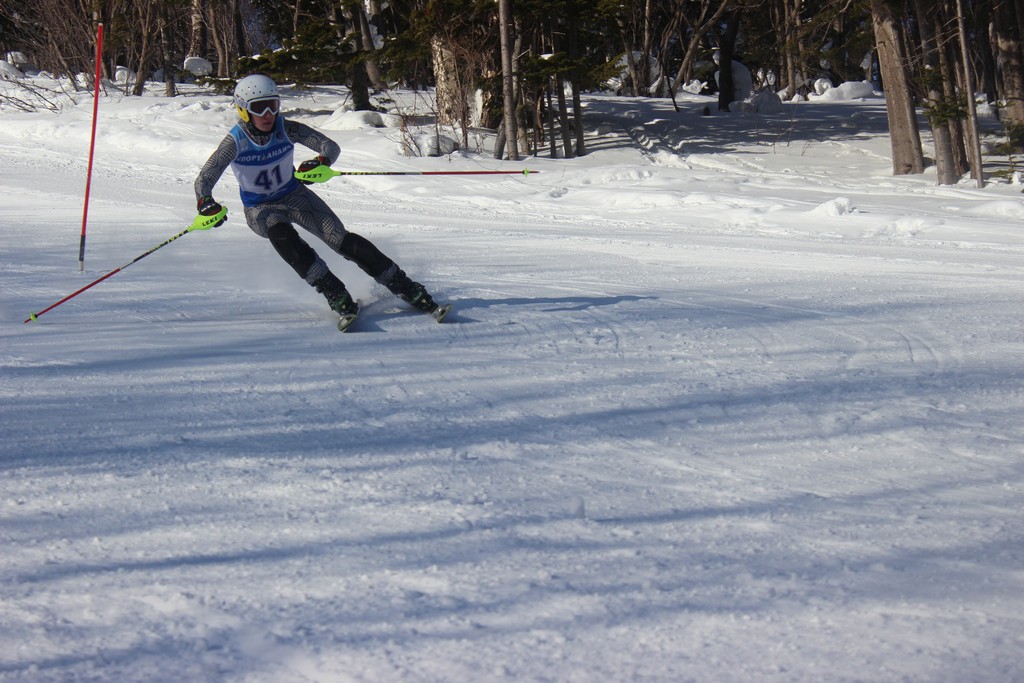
720 401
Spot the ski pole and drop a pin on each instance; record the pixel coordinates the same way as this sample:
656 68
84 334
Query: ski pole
200 223
321 174
92 140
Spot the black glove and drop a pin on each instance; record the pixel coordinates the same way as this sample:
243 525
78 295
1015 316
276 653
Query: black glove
208 206
311 164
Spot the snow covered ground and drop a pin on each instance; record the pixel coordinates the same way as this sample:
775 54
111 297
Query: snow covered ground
721 401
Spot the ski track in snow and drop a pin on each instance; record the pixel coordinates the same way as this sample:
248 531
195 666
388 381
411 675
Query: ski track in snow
681 425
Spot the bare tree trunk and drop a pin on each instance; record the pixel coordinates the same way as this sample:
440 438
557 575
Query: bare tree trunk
670 31
144 27
699 29
791 9
577 104
166 50
904 137
366 34
973 142
644 68
563 117
507 79
296 15
220 43
985 46
196 46
1011 66
932 77
241 47
359 87
631 67
726 87
552 138
946 40
446 78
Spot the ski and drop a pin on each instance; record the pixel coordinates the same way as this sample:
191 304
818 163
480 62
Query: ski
346 321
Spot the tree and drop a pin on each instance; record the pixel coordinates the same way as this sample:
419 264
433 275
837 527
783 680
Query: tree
450 96
1006 30
366 68
575 76
508 79
697 27
726 47
197 32
463 39
56 35
904 136
462 47
792 70
168 51
946 35
968 87
939 110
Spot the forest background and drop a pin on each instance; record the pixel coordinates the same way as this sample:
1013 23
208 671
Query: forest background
519 65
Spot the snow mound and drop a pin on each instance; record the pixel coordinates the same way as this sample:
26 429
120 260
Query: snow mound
763 102
851 90
345 119
1004 208
10 72
429 145
198 66
626 199
123 74
840 206
907 226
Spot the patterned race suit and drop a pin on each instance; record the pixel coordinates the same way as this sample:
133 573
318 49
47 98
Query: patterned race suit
274 200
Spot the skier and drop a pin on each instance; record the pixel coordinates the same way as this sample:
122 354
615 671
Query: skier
260 150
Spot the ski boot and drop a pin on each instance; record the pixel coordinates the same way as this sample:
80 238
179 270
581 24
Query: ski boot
338 298
417 295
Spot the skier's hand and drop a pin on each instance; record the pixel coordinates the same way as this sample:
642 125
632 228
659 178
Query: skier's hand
312 164
208 206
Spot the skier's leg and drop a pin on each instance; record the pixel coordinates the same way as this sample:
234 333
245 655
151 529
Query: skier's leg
295 252
310 267
312 213
362 252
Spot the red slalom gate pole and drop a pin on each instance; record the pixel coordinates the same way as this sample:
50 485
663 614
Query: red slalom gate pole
92 141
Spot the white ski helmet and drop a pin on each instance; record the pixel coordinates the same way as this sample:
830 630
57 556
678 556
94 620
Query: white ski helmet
253 89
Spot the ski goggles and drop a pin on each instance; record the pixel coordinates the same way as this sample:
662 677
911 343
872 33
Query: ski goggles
263 107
